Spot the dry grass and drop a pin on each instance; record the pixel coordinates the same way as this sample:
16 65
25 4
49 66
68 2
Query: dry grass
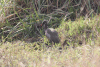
14 55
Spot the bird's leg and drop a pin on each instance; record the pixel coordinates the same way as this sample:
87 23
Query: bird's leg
52 45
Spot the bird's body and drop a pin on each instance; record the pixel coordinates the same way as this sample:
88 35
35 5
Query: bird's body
51 33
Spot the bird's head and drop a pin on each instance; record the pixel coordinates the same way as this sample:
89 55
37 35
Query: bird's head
45 24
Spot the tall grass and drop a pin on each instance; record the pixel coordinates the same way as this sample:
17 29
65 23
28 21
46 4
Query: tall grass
22 18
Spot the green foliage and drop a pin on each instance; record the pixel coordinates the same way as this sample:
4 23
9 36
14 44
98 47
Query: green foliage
22 17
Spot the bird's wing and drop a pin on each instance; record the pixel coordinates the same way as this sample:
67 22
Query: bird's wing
52 31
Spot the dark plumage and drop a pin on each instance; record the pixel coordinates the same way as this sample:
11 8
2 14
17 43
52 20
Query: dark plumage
50 33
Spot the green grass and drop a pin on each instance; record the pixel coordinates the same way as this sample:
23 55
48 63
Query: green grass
84 31
22 46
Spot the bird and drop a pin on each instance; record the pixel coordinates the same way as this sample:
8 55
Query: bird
50 33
